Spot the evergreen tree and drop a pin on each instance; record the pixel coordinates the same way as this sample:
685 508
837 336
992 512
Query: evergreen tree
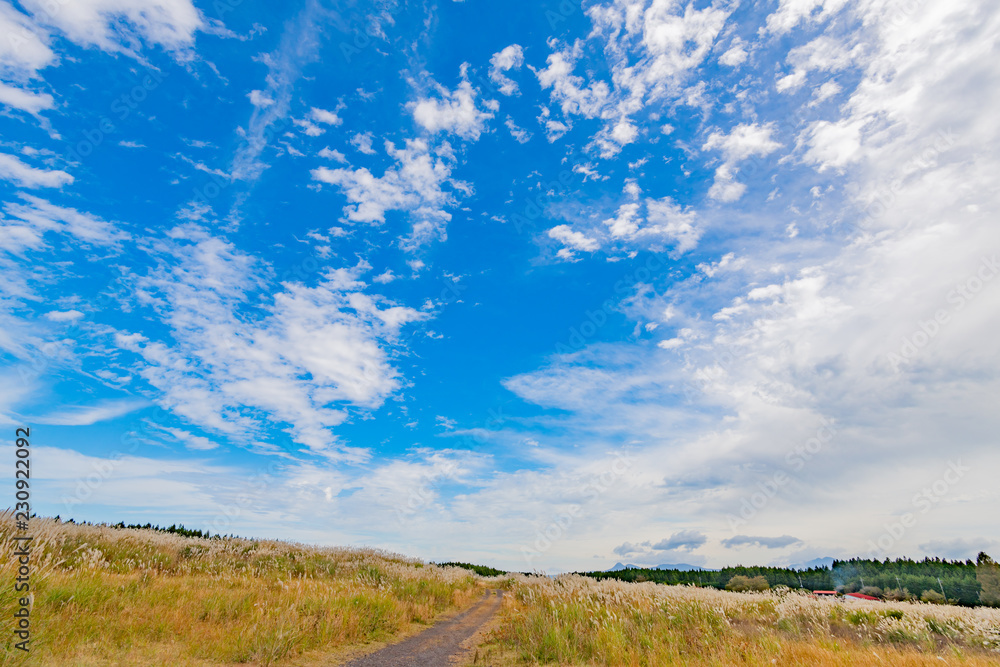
988 575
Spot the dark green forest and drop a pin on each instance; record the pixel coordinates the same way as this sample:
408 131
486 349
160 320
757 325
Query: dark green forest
966 583
481 570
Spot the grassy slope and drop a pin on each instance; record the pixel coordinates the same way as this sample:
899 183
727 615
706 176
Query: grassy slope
579 621
108 596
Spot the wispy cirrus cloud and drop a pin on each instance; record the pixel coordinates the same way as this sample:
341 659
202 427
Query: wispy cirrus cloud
92 414
299 47
13 169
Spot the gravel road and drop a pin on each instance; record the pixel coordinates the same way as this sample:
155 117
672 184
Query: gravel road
436 645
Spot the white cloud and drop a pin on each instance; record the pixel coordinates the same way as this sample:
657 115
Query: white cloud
668 219
510 58
645 223
736 55
554 129
118 25
685 540
808 323
455 111
792 12
725 187
805 328
652 53
679 42
959 548
14 170
573 239
625 223
624 132
314 353
744 141
311 129
190 440
567 89
520 135
93 414
824 54
589 172
673 44
653 220
325 117
328 154
260 99
727 262
24 49
25 100
415 186
31 220
769 292
299 45
63 315
827 90
832 144
321 116
112 25
363 142
610 140
779 542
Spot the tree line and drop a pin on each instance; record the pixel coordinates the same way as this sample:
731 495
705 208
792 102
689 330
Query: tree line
175 528
481 570
967 583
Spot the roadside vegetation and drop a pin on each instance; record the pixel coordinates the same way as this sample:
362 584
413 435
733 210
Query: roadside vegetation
114 596
576 620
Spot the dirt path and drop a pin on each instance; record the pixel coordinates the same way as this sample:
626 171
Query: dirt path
433 647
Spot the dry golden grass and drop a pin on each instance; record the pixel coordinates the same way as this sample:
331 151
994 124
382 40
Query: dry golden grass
105 596
575 620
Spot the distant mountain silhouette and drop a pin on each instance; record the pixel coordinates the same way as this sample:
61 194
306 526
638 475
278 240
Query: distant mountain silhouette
826 561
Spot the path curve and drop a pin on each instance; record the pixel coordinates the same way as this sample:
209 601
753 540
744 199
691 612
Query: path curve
434 646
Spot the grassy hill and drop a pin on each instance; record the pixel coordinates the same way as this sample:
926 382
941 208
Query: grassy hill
107 595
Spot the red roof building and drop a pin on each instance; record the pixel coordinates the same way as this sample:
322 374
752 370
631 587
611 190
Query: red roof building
833 593
859 596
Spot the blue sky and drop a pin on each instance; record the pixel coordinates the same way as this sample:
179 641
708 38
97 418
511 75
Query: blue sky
545 286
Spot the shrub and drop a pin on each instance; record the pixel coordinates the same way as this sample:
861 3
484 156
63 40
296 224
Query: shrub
933 597
740 583
898 595
874 591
